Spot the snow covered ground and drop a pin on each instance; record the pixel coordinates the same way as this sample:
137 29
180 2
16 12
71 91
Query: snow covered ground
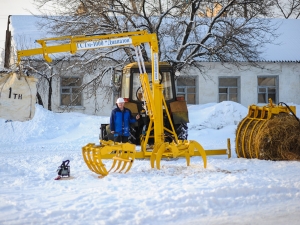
228 191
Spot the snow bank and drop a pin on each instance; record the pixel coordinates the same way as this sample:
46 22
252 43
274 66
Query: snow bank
47 125
228 191
216 116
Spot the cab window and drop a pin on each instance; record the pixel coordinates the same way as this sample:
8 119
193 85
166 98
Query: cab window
166 82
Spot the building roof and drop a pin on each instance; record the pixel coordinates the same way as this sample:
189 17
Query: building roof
286 48
25 31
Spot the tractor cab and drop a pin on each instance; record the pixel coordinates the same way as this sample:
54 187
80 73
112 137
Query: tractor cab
132 92
131 85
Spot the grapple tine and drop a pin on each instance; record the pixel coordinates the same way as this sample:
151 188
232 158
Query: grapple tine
125 159
97 164
124 156
152 158
129 167
85 153
117 160
92 158
113 165
90 155
159 154
123 167
118 165
154 153
188 158
195 144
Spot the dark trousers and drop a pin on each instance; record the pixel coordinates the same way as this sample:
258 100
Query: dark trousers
122 139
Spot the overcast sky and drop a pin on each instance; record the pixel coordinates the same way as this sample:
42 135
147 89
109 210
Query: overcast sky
13 7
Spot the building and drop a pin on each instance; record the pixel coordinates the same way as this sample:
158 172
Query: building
277 77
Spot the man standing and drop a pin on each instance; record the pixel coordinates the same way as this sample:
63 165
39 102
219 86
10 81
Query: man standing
120 121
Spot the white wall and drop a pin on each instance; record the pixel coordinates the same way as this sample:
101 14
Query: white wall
99 102
289 83
288 73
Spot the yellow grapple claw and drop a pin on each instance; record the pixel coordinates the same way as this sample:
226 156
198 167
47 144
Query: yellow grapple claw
182 148
123 156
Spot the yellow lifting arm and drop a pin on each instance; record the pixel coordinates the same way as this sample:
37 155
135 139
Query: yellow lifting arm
84 42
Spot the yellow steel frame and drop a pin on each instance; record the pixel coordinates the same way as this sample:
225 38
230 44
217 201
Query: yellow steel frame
154 102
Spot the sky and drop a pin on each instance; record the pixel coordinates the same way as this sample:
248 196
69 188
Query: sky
25 31
13 7
227 192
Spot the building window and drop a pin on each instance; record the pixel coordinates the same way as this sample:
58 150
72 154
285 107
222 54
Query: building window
229 89
187 87
267 88
70 91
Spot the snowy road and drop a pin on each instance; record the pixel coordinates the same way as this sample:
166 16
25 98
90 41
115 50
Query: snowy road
228 191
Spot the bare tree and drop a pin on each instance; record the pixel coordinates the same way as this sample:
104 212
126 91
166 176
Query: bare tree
45 72
189 31
180 22
287 8
37 67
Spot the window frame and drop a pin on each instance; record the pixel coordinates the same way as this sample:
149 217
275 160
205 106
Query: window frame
266 87
238 87
131 73
185 92
70 92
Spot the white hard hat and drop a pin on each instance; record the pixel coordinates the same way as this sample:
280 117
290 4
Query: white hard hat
120 100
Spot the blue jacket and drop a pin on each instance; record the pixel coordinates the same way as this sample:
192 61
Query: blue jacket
120 121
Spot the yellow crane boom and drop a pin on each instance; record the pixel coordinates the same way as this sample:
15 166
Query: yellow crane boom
124 154
82 42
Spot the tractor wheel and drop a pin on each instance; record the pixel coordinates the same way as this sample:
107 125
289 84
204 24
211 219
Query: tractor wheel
132 136
181 131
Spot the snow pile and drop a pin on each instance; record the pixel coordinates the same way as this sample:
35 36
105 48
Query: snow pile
216 116
228 191
46 126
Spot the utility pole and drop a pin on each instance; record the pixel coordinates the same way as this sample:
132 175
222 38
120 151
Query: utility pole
7 45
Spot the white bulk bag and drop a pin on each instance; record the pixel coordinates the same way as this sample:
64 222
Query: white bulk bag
17 97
